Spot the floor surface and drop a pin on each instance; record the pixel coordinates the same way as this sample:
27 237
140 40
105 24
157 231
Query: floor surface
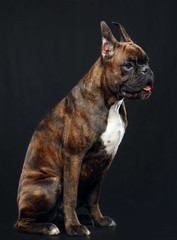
127 229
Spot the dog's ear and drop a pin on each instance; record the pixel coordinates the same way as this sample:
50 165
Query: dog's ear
108 41
124 37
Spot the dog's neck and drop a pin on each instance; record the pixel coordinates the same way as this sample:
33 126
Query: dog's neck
94 85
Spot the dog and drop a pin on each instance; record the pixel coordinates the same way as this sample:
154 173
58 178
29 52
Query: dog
75 144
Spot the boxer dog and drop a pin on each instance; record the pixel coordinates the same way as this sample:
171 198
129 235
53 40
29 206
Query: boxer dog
75 144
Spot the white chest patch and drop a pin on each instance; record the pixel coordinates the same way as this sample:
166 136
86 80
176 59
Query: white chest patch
115 129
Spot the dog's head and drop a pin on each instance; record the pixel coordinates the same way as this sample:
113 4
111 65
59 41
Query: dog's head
126 65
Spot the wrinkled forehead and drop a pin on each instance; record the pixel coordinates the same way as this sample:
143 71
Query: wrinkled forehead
134 52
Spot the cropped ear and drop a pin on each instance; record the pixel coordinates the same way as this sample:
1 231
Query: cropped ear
124 37
108 41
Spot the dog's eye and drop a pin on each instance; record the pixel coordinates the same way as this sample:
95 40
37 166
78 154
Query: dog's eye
128 66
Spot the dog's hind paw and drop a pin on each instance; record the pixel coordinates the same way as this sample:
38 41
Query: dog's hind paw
53 229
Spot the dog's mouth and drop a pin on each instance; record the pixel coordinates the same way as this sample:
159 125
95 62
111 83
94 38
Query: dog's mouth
142 94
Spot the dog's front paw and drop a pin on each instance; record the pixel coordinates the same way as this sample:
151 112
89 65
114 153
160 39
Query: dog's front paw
77 230
105 222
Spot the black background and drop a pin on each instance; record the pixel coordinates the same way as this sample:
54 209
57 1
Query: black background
45 48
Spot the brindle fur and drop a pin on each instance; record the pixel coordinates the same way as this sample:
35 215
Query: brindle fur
66 160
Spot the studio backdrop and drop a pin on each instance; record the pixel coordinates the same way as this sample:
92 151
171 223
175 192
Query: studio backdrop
46 47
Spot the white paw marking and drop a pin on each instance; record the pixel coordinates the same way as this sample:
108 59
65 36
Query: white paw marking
54 231
115 129
113 224
88 232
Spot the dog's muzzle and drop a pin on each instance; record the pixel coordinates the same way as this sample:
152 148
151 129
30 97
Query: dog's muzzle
140 87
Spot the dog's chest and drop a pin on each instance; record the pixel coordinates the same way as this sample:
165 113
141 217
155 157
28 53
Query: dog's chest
115 130
100 156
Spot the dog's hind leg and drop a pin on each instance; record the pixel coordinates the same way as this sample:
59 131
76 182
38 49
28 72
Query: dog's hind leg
38 207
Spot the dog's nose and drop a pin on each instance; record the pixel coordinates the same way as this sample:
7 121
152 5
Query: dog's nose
144 69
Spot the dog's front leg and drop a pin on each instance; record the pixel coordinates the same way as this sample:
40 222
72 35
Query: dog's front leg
93 207
72 169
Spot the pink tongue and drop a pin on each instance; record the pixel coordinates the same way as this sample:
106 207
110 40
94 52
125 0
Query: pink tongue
147 88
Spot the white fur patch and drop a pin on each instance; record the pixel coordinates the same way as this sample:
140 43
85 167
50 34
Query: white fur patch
54 230
87 232
115 129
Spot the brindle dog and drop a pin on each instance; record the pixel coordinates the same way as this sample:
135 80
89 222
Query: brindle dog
74 145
